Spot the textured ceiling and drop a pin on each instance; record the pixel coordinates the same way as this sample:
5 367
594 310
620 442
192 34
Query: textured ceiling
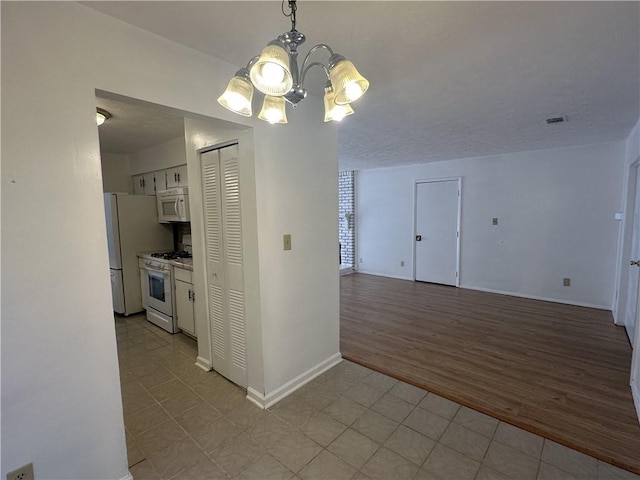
134 127
448 79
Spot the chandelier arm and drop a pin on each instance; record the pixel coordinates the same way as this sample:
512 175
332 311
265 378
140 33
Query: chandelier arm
252 62
306 69
317 47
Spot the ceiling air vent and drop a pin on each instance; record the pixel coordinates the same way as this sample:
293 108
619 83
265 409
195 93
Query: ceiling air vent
551 120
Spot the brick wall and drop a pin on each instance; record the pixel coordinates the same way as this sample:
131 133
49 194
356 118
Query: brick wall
346 217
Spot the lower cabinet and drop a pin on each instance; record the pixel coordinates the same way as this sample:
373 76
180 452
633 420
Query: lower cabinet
185 298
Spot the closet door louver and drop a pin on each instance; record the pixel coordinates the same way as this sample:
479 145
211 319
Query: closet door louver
223 231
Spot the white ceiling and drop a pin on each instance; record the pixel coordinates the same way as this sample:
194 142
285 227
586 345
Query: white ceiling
448 79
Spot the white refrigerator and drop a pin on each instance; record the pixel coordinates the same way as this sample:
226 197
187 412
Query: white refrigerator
132 227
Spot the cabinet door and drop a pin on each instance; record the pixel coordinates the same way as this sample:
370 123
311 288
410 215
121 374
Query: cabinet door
161 180
177 177
184 307
138 184
149 183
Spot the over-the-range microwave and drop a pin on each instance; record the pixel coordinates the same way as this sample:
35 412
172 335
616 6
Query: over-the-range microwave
173 205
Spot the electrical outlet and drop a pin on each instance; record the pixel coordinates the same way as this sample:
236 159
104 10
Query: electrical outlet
23 473
495 221
286 241
566 282
402 263
360 259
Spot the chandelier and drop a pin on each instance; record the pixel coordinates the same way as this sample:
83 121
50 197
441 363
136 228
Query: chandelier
275 73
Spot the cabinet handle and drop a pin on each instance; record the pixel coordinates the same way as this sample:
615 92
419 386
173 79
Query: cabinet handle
175 177
189 294
193 296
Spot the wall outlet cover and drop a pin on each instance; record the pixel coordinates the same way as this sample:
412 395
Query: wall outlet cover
286 241
566 282
23 473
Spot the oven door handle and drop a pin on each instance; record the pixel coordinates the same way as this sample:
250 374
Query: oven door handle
164 273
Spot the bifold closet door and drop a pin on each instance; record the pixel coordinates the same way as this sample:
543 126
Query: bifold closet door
223 232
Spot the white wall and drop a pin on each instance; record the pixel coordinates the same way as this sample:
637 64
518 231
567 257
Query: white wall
165 155
61 404
555 210
115 172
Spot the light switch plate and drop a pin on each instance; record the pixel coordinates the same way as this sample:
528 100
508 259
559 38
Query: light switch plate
286 241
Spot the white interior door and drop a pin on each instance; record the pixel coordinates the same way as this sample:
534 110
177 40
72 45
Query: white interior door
223 237
631 311
437 231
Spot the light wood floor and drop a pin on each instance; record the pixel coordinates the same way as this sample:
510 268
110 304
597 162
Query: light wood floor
556 370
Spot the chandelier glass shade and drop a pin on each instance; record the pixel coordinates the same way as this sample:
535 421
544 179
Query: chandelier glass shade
275 73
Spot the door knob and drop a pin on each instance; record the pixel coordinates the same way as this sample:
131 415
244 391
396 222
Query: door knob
635 262
418 238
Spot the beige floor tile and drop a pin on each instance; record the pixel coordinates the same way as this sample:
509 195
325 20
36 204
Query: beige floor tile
168 389
354 448
214 435
364 394
346 411
339 384
181 402
323 429
519 439
465 441
448 464
160 436
246 414
375 426
295 450
408 393
237 454
317 396
269 430
327 466
352 369
205 469
212 386
144 471
386 464
229 400
549 472
569 460
134 452
176 457
393 407
380 381
135 403
156 376
511 462
410 444
440 406
197 416
293 410
265 468
611 472
146 419
360 476
476 421
486 473
427 423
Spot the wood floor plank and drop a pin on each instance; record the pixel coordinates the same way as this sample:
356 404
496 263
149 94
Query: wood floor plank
560 371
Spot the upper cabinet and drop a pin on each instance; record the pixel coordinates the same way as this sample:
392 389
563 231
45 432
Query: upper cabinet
177 177
149 183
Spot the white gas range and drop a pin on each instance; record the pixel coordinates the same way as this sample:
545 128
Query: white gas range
156 274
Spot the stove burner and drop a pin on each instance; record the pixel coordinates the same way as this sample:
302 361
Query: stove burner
171 255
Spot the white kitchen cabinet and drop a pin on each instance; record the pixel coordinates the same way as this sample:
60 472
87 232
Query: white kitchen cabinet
177 176
149 183
185 301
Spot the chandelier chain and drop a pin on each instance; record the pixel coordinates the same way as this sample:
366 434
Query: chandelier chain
292 12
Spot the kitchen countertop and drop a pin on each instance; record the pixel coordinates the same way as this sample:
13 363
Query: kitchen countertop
186 263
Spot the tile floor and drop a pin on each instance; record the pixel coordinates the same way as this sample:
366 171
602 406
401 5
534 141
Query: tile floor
349 423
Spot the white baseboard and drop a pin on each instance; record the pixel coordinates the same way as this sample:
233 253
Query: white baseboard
128 476
635 393
534 297
203 363
378 274
266 401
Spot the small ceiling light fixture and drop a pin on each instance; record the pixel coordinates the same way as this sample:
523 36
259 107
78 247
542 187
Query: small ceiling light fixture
552 120
102 116
275 73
